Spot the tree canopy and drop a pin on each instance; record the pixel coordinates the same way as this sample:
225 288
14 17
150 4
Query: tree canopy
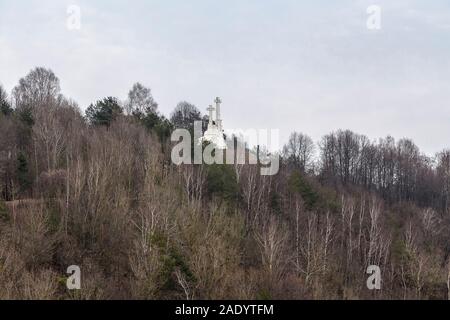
140 101
38 87
5 106
184 115
103 112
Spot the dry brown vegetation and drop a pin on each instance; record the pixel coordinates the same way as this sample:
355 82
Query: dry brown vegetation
105 196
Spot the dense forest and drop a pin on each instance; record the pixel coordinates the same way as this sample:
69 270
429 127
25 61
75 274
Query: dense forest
99 190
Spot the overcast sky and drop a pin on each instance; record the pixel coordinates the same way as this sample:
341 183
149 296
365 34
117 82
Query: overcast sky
309 66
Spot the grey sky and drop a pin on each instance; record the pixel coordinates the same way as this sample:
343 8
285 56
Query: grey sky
309 66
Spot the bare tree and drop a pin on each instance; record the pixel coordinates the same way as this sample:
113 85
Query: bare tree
194 178
49 132
5 106
299 150
443 171
38 88
315 246
272 244
140 101
184 115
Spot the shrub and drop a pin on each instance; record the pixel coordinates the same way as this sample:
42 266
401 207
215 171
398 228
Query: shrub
298 183
4 215
221 181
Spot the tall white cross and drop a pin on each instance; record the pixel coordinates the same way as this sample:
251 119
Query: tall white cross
210 110
218 120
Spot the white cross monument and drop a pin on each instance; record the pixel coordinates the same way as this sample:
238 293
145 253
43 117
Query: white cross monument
214 133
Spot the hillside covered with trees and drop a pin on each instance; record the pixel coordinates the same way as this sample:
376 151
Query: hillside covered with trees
98 190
